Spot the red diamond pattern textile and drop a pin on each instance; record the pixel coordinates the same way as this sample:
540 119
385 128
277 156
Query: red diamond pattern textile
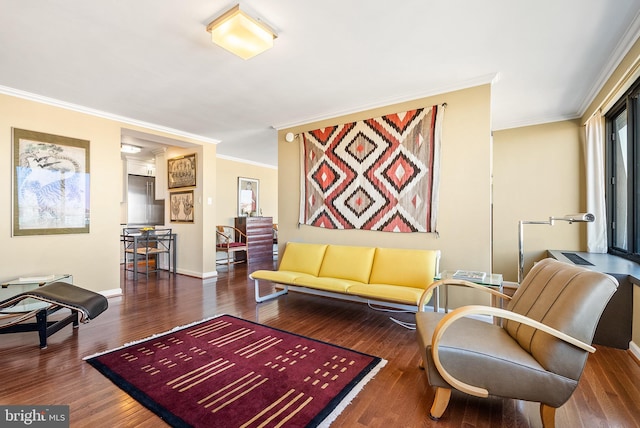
376 174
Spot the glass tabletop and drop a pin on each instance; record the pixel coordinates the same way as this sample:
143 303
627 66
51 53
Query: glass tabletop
20 285
31 281
488 279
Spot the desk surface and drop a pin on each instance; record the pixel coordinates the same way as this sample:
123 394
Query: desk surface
602 262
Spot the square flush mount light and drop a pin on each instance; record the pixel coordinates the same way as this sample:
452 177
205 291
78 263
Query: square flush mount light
241 34
128 148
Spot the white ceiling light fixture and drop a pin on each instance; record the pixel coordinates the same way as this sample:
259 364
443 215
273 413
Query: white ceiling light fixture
241 34
129 148
290 136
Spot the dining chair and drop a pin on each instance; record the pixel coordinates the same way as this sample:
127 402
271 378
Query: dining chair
231 240
147 246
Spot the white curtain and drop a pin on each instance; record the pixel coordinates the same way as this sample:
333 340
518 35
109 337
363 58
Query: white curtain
594 157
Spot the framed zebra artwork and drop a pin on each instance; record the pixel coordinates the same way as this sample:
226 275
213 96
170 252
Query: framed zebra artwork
50 184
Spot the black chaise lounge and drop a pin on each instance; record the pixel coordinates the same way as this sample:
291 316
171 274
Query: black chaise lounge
84 304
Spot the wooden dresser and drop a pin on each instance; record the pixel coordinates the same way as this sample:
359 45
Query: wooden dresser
259 231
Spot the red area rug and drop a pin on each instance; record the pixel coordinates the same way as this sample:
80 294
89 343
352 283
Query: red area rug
230 372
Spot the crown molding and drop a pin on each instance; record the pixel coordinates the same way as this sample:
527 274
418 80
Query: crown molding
102 114
617 55
481 80
234 159
533 121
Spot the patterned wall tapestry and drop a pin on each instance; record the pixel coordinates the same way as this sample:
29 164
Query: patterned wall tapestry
376 174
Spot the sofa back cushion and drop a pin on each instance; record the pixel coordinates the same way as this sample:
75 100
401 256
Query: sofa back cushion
303 257
410 268
347 262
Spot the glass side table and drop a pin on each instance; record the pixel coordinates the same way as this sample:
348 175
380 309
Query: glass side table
43 326
493 280
20 285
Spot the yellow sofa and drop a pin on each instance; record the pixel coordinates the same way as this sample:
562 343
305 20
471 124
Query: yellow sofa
392 276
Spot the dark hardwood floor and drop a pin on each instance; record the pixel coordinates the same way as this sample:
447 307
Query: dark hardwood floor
608 394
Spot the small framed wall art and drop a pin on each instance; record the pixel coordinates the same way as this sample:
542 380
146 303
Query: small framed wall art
182 171
181 206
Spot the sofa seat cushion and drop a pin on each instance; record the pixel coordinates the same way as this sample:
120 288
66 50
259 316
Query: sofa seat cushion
336 285
279 276
302 257
347 262
392 293
494 352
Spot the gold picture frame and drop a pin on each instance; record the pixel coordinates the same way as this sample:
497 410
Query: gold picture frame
181 171
181 207
50 184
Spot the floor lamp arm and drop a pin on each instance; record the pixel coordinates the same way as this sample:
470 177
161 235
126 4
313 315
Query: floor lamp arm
571 218
521 224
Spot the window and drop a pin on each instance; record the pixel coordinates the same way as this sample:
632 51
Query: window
623 176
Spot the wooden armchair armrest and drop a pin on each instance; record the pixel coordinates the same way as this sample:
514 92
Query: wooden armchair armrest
229 238
451 281
242 235
464 311
224 235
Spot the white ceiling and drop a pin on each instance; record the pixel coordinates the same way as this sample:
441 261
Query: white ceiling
152 61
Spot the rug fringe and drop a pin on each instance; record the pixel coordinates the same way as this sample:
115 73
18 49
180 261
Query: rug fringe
351 395
181 327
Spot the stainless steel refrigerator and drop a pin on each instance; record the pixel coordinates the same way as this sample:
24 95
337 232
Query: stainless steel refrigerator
142 206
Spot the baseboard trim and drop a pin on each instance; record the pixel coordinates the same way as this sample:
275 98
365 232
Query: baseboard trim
203 275
635 351
114 292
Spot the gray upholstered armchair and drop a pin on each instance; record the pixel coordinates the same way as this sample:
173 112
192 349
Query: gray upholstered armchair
537 354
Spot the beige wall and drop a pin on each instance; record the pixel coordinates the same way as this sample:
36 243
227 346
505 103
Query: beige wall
228 171
464 218
94 258
538 173
627 72
195 247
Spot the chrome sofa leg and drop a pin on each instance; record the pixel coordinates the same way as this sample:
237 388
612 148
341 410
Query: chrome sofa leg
260 298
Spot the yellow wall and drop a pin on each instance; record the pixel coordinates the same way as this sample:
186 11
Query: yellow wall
464 217
538 173
228 171
94 258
